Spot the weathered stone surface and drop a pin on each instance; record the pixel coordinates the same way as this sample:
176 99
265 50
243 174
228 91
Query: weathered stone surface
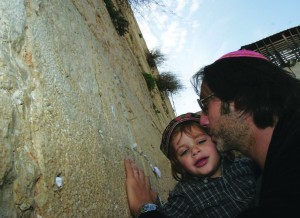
74 104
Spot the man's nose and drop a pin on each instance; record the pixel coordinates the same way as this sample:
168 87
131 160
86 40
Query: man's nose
204 120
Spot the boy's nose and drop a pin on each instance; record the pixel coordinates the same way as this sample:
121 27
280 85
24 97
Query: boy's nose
195 150
204 120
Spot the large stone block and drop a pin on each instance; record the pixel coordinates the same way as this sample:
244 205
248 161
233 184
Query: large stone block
74 104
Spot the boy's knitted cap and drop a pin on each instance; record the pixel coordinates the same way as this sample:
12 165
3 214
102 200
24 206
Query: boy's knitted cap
165 141
243 53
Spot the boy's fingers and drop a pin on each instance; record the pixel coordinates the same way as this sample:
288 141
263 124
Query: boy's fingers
142 176
132 171
128 168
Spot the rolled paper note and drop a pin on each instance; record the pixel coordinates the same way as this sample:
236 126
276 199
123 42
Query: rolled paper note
157 171
133 146
59 181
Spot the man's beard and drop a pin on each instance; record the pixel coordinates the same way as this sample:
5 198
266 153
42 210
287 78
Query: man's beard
232 132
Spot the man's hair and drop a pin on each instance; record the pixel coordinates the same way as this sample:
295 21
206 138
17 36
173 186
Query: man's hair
256 86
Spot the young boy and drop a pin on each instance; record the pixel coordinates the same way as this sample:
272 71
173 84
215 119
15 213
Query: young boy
209 185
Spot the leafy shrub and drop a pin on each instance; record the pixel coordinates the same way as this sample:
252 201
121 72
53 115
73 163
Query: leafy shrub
150 80
120 23
169 83
155 58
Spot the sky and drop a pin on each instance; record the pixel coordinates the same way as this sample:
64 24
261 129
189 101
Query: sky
194 33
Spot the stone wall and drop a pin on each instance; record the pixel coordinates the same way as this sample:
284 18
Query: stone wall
73 105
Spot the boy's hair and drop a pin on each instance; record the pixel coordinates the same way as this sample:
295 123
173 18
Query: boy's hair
166 136
180 124
254 84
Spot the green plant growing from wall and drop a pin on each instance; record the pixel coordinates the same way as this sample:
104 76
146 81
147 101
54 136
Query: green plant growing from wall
120 23
155 58
150 80
168 82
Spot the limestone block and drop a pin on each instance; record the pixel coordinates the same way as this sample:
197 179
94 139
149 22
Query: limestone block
73 104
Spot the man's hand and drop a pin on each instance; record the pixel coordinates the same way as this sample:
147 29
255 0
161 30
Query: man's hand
137 187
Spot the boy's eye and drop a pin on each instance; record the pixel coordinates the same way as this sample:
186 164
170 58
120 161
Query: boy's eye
184 152
201 141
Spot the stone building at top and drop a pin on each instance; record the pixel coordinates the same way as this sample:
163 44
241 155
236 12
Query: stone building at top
282 48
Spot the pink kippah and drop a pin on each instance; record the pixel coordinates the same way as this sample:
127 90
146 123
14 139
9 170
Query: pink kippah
243 53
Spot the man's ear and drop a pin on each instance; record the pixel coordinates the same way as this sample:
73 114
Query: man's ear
225 108
232 106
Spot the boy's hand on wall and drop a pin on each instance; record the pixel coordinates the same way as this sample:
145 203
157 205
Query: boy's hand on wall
137 187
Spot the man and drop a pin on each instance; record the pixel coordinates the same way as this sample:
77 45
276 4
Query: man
253 106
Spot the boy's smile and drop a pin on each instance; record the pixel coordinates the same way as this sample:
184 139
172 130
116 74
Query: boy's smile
201 162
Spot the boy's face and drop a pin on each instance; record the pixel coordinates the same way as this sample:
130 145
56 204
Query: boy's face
196 153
